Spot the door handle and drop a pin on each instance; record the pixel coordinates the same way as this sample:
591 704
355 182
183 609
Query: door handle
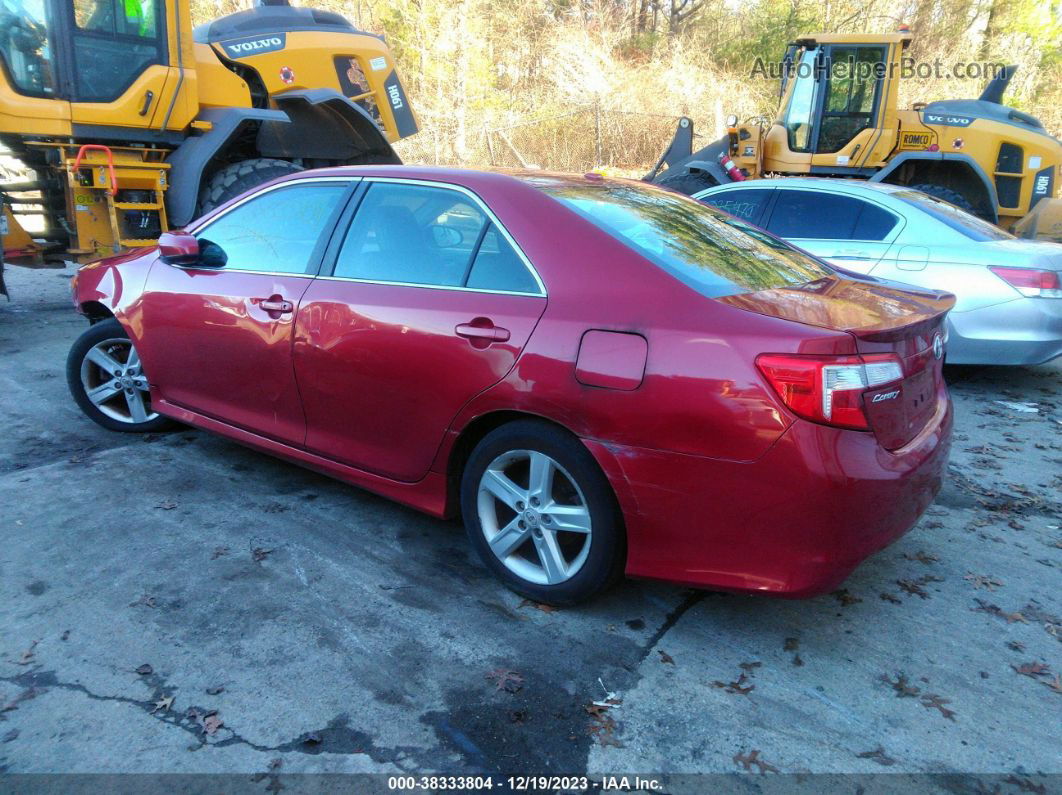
481 331
275 304
148 99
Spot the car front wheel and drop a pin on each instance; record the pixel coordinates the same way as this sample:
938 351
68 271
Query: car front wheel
108 382
541 514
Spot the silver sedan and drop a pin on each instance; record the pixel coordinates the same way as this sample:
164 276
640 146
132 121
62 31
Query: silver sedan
1009 308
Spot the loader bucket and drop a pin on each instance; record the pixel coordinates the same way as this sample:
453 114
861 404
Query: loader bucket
1044 222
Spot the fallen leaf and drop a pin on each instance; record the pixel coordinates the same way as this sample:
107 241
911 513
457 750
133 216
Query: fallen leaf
145 670
11 735
922 557
753 758
735 687
518 716
1032 669
933 701
28 654
1015 645
665 657
163 704
595 709
888 597
504 679
845 598
791 644
879 756
167 505
218 552
901 686
258 554
985 581
749 667
1055 684
145 600
213 691
211 723
25 695
537 606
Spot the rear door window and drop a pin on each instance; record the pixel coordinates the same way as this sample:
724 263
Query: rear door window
746 203
426 236
710 251
819 215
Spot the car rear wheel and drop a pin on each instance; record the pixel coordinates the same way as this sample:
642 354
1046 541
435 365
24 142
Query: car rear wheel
541 514
108 382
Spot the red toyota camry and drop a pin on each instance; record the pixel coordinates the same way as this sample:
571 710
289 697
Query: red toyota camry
600 376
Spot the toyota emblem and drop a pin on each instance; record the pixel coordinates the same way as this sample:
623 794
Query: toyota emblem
938 346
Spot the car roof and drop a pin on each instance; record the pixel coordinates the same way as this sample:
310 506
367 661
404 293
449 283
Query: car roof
836 185
467 177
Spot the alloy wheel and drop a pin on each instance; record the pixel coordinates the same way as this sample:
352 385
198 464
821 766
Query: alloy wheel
115 383
534 517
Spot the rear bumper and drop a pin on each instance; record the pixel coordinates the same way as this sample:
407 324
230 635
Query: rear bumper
1022 331
794 523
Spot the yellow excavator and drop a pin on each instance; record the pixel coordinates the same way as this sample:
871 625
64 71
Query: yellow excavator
128 122
839 117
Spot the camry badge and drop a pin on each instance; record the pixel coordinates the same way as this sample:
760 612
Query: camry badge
938 346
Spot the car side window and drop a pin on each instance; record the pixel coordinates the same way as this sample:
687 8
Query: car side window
813 215
498 267
275 232
426 236
874 223
745 204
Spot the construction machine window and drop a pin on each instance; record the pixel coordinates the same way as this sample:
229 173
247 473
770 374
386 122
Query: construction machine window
851 100
799 113
114 41
25 46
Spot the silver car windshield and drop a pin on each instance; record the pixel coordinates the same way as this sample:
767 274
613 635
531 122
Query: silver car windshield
961 221
710 251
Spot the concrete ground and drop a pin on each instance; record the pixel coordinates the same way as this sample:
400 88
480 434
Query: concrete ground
177 603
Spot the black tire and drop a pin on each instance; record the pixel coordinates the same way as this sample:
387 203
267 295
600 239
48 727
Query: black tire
689 182
603 563
948 195
97 334
232 180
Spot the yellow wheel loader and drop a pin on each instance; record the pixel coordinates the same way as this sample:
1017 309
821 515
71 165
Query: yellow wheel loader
129 122
839 117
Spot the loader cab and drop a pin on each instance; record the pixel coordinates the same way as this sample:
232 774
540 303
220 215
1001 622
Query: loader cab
107 61
84 51
837 105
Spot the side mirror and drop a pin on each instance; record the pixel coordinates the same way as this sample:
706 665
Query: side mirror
446 236
178 248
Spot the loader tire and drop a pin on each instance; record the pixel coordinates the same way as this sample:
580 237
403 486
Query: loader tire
232 180
689 182
948 195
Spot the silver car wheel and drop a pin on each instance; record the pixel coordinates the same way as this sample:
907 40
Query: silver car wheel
114 381
534 517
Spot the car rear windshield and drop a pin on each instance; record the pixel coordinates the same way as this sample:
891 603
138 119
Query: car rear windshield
710 251
948 214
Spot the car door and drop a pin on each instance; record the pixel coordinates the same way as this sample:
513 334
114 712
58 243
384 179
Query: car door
218 334
428 302
844 230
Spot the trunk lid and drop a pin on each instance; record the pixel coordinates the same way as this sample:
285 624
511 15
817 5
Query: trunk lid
905 323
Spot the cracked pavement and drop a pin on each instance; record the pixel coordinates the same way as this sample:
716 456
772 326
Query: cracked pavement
338 632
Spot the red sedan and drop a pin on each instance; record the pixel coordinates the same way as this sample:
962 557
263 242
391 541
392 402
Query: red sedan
599 375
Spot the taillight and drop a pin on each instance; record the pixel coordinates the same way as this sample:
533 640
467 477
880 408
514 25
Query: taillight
1031 282
828 389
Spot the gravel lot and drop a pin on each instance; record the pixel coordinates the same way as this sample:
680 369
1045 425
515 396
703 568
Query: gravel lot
146 582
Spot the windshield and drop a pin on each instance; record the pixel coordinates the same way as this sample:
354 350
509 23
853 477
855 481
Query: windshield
708 250
961 221
24 46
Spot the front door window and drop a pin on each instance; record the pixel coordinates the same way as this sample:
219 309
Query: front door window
25 46
851 95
